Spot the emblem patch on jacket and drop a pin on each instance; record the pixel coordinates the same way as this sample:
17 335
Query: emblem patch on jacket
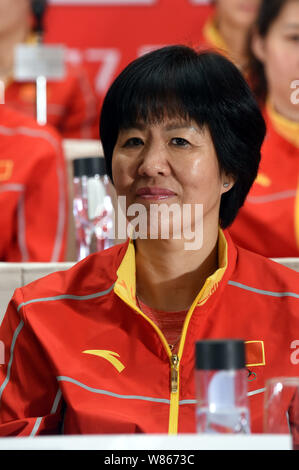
255 353
108 355
6 167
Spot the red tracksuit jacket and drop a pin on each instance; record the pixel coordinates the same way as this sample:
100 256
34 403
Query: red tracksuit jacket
81 358
268 223
33 190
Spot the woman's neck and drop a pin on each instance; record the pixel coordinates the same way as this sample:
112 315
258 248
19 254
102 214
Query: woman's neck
288 111
7 46
168 277
236 40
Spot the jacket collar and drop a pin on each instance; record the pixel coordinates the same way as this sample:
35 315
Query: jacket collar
125 285
213 37
289 130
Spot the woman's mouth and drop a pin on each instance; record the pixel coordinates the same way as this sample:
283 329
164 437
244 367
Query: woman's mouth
154 193
248 8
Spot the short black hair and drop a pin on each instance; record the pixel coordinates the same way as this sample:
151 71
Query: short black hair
177 81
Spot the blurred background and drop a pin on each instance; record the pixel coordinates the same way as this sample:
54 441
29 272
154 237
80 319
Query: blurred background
105 35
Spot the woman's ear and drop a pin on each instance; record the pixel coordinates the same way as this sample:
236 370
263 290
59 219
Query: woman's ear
258 47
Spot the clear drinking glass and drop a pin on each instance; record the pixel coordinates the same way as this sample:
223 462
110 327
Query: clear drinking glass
92 207
222 404
221 387
281 407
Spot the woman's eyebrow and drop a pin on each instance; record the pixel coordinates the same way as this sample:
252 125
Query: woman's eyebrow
124 131
137 126
168 127
185 126
179 125
291 26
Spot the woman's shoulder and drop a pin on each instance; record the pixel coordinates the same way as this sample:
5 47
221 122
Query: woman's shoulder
94 274
272 277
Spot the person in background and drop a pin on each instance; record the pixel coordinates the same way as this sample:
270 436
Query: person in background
133 312
72 107
33 190
228 29
269 221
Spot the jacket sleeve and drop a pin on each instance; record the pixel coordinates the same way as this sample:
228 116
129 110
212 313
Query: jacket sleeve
81 120
30 399
45 206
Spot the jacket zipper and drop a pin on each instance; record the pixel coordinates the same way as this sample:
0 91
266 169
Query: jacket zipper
174 395
174 368
174 360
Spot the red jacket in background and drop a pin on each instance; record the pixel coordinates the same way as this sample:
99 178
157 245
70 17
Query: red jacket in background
81 357
71 109
33 190
268 223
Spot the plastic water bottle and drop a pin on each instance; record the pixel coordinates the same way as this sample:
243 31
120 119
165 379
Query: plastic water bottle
221 387
92 207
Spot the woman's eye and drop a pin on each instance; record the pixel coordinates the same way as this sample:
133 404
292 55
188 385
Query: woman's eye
180 142
294 38
133 142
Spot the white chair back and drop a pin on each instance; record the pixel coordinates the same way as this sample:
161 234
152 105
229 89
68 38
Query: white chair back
13 275
292 263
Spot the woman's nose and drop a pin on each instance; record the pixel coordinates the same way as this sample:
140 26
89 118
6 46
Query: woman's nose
154 161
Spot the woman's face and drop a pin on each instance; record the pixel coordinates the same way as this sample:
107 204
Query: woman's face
279 52
12 14
240 13
173 162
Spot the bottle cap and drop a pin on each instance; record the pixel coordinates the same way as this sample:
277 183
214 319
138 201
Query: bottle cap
89 166
220 354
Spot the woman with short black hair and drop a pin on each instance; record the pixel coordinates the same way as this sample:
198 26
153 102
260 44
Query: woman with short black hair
180 130
182 84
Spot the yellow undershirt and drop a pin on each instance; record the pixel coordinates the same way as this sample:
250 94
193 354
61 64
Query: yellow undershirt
215 39
289 130
126 282
213 36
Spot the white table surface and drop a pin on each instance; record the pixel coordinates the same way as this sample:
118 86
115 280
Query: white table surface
149 442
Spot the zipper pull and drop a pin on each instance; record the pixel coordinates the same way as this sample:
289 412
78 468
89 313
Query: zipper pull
174 373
